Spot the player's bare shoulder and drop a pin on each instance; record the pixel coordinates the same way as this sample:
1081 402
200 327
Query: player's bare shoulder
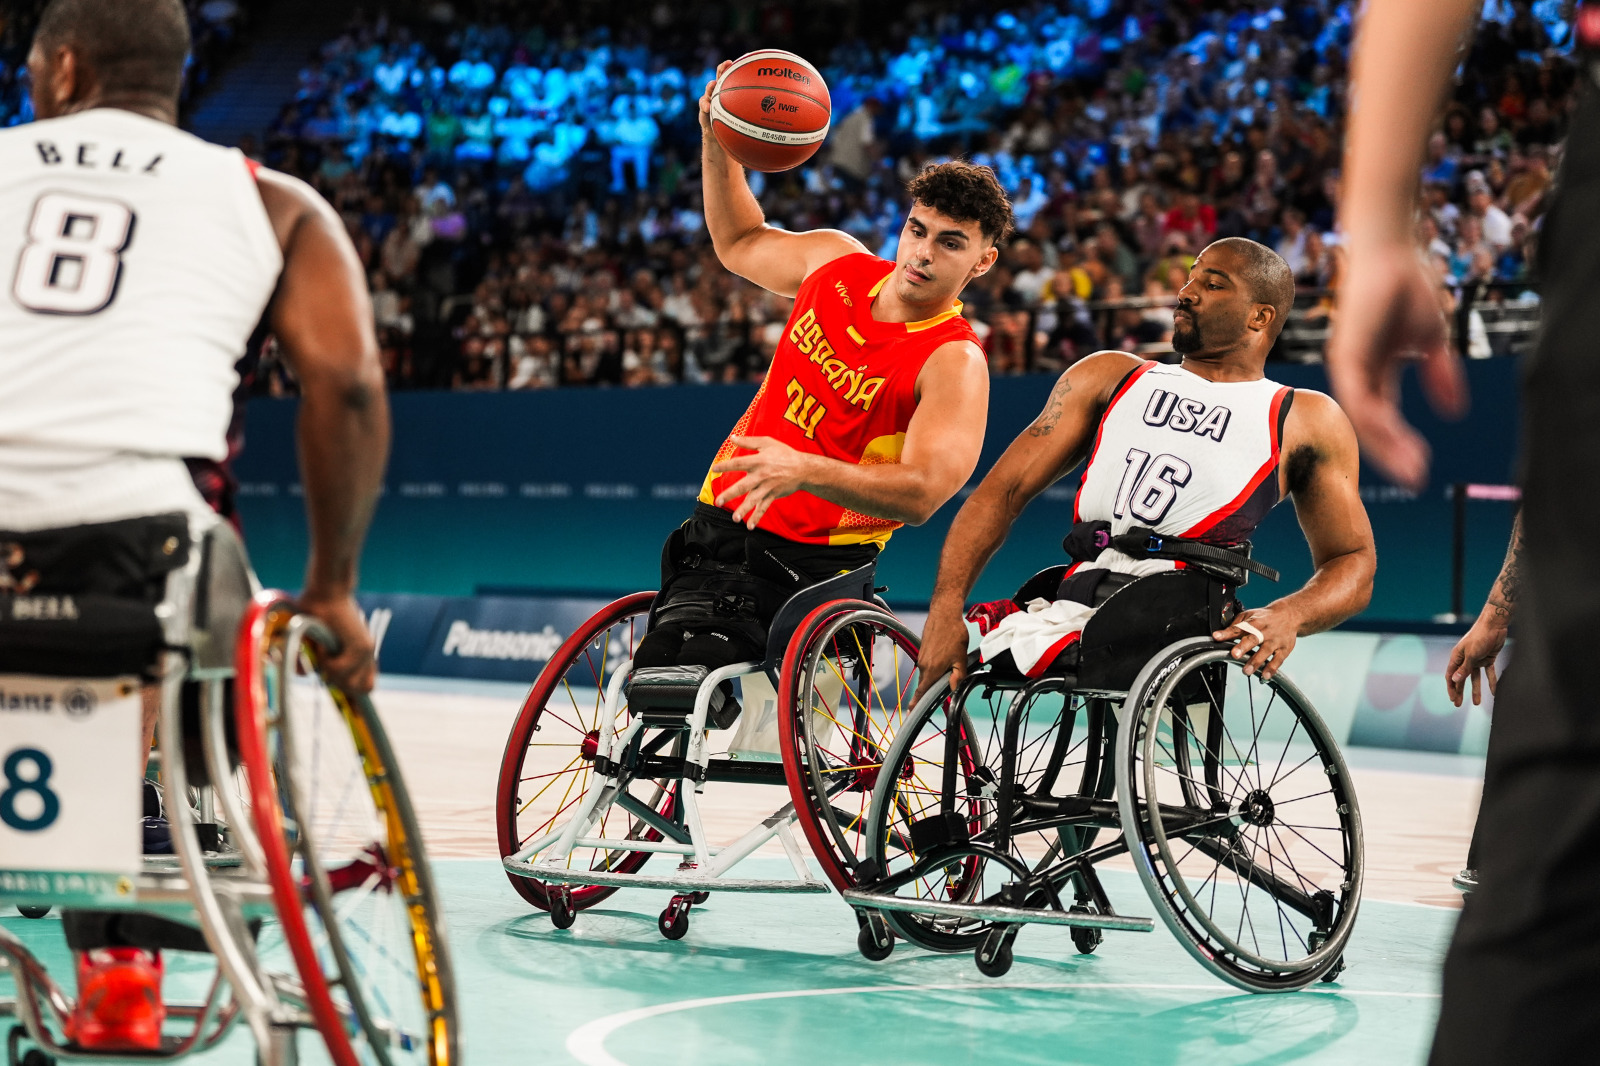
290 203
1316 434
1091 380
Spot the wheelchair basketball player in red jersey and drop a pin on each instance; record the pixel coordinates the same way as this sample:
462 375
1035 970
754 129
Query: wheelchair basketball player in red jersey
871 415
143 260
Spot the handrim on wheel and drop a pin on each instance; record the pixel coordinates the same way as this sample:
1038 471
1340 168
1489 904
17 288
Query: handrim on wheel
845 687
344 854
549 756
1255 860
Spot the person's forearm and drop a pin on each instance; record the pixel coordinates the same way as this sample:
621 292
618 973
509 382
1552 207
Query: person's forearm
344 444
1405 54
894 491
1502 602
980 527
731 208
1340 587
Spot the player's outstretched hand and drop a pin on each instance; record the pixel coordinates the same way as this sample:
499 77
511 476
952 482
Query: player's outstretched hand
773 471
943 650
705 98
355 668
1473 656
1388 314
1265 636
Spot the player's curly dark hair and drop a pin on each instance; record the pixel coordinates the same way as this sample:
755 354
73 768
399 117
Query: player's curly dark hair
965 191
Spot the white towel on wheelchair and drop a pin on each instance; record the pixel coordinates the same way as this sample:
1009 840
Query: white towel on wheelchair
1043 629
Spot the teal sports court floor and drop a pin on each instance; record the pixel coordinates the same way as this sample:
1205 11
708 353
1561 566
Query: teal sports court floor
774 980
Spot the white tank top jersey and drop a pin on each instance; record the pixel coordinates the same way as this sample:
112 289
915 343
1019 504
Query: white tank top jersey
135 262
1185 456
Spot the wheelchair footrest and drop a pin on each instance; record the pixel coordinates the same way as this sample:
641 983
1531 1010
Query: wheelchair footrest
995 912
672 881
665 696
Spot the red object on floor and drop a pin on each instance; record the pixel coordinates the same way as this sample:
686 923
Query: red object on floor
119 1000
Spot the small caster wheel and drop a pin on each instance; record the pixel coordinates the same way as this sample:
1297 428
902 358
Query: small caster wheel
35 1057
561 913
698 898
674 921
1086 940
1333 972
31 910
994 954
874 941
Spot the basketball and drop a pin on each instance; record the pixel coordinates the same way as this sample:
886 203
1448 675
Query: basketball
770 110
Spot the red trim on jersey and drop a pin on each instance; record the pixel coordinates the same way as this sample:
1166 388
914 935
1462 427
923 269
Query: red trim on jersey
1054 650
1210 522
253 167
1127 383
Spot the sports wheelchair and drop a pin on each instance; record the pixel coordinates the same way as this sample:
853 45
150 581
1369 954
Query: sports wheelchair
1227 792
297 853
589 789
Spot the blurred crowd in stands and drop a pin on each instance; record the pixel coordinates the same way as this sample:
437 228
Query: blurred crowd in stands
521 177
216 27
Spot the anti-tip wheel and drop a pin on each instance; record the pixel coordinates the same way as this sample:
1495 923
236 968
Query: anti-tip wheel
874 941
698 898
29 910
674 921
561 913
1086 940
993 956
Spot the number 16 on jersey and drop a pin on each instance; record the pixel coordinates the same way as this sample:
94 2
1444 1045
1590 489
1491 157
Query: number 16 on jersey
69 789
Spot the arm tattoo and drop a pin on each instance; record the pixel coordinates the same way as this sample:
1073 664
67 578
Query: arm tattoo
1508 586
1052 410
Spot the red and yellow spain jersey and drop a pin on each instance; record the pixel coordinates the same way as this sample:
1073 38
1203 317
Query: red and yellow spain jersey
842 385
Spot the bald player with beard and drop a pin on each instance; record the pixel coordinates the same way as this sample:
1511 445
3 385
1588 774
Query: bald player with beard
1198 451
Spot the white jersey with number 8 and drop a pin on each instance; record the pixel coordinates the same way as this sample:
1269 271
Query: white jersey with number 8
135 262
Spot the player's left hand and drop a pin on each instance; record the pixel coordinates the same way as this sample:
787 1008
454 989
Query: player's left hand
1265 637
772 472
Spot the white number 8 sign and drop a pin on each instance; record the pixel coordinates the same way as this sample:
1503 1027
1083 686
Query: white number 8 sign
73 259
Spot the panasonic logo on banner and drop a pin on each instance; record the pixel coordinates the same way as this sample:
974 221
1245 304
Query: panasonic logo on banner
468 643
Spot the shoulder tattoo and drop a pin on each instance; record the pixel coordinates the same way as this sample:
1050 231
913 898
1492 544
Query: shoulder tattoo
1046 422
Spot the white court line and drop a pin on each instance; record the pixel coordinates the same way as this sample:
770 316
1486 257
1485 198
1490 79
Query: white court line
587 1042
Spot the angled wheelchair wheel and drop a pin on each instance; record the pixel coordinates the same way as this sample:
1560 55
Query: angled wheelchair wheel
1241 818
357 910
549 758
844 689
969 804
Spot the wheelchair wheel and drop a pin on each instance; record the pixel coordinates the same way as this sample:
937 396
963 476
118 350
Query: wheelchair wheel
845 687
549 756
356 906
942 787
1255 860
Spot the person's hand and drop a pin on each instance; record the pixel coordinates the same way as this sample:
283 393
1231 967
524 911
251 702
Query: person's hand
943 650
705 101
355 668
1474 654
1265 636
774 470
1389 314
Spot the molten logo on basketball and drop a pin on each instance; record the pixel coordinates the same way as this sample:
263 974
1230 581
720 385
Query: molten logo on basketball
783 72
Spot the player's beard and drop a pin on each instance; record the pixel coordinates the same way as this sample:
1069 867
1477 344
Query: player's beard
1186 334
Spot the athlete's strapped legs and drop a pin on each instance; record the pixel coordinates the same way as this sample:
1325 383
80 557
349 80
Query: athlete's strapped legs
721 585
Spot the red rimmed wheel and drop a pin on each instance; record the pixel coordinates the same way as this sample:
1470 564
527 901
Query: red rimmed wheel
845 688
549 759
356 905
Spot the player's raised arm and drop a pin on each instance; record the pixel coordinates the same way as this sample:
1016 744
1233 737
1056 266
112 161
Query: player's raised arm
322 316
775 259
1058 440
1322 470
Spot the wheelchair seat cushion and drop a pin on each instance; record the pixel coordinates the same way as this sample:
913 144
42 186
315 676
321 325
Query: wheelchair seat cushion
80 601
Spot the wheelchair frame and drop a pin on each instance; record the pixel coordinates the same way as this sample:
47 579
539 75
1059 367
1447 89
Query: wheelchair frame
1115 667
620 756
224 890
